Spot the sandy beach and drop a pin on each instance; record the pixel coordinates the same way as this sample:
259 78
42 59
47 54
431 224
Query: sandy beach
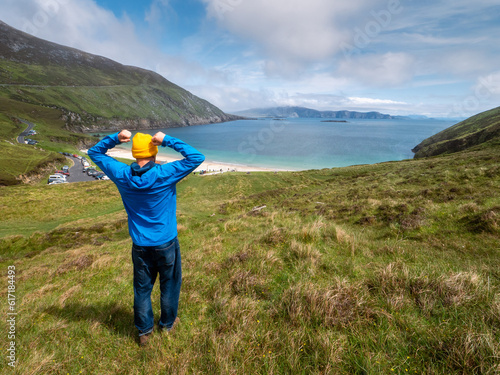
210 167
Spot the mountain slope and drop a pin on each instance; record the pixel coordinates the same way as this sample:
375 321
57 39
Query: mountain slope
476 130
302 112
94 93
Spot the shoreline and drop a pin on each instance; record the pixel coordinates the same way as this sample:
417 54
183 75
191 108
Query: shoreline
209 166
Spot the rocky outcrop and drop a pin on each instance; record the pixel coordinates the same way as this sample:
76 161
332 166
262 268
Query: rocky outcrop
110 125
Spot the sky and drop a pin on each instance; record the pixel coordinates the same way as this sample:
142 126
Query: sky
437 58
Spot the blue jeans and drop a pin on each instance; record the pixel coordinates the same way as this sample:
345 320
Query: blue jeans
149 261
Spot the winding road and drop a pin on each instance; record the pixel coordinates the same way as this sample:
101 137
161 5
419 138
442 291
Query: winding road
75 171
21 136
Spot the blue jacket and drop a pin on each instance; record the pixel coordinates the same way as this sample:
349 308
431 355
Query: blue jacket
148 193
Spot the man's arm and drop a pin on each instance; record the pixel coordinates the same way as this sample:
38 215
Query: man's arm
98 153
180 168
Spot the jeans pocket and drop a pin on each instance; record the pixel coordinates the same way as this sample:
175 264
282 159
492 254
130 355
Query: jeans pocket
166 255
138 254
138 248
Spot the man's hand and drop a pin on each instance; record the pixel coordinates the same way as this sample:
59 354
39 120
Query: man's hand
157 139
124 136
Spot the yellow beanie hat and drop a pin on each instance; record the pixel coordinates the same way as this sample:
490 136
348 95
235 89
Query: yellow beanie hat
142 147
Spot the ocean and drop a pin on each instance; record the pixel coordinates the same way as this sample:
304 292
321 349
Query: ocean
299 144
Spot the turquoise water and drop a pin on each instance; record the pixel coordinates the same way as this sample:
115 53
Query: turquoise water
297 144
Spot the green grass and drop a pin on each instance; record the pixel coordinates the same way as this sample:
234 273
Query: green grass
390 268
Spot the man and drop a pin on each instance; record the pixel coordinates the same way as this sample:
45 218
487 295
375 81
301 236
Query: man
149 195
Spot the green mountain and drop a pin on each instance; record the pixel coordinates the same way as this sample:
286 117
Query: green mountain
92 92
476 130
301 112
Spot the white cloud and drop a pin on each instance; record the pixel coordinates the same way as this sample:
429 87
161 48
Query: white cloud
371 101
289 30
466 61
487 88
375 70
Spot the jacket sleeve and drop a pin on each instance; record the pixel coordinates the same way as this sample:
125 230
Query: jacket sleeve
98 155
179 169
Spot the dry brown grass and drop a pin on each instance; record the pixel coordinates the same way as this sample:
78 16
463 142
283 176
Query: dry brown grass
68 293
311 232
274 237
485 221
307 252
44 290
400 289
466 351
77 264
338 306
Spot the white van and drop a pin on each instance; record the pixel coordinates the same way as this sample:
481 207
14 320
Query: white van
56 177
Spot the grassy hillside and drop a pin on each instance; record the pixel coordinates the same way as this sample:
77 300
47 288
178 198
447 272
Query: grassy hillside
92 90
97 104
390 268
20 162
484 127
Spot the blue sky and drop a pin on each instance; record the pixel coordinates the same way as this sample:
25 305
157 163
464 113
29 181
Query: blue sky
437 58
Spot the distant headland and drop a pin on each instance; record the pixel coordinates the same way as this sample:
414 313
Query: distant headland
302 112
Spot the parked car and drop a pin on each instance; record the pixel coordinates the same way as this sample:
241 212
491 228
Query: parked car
56 177
92 172
55 182
63 173
101 176
75 155
65 168
66 153
60 175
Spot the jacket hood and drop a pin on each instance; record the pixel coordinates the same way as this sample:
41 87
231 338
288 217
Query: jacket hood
142 177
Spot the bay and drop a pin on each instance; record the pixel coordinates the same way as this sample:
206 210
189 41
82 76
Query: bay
299 144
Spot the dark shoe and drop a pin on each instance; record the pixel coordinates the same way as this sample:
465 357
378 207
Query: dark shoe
143 340
169 330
